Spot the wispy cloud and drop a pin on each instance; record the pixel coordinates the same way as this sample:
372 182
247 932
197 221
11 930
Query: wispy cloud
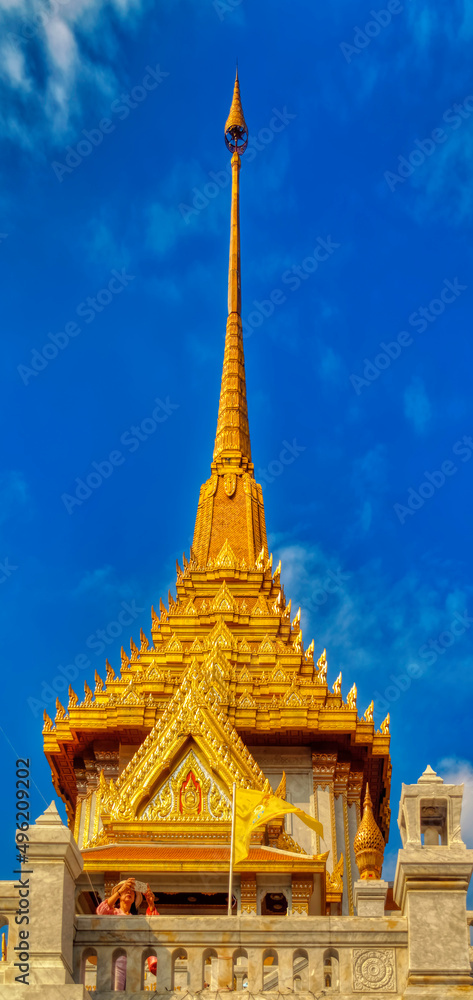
460 772
52 71
369 611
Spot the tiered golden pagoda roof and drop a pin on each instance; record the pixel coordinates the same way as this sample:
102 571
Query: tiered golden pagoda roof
225 667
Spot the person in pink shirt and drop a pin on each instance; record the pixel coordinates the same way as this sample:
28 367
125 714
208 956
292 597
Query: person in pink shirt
125 895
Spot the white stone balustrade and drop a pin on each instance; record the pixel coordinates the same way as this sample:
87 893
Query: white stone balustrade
237 947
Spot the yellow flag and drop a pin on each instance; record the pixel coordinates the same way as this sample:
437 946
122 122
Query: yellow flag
254 809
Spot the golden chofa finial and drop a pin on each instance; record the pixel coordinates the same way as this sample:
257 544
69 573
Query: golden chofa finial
236 132
369 843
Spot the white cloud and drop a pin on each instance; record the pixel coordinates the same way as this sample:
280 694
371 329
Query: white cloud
365 619
460 772
417 407
48 61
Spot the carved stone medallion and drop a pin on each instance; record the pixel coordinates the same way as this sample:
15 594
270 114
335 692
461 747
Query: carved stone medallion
374 969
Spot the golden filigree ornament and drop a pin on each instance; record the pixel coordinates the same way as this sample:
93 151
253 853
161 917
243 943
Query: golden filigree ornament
369 843
229 483
190 796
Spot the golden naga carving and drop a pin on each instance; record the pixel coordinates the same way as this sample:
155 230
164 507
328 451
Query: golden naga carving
281 789
337 685
334 880
297 619
48 722
369 843
260 559
60 711
368 716
385 725
322 666
351 697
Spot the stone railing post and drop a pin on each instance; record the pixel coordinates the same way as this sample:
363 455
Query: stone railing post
431 883
56 862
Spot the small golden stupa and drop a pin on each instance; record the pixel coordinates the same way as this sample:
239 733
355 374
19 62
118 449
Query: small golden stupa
369 843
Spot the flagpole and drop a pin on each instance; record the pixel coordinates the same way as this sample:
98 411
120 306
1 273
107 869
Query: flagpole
232 840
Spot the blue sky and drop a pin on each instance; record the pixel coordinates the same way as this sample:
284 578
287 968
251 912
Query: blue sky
114 224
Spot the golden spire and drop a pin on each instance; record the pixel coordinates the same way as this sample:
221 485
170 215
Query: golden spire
233 434
369 843
230 511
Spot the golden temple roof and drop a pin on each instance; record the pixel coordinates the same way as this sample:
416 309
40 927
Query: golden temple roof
224 669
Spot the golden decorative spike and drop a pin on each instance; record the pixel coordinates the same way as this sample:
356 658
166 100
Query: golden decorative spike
60 711
269 563
110 672
281 789
162 608
277 571
322 660
297 619
385 725
369 843
337 686
73 699
88 694
236 118
144 641
351 698
98 683
48 723
368 716
178 569
310 649
184 560
259 561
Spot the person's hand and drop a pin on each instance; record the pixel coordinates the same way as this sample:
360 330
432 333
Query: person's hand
128 883
149 896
